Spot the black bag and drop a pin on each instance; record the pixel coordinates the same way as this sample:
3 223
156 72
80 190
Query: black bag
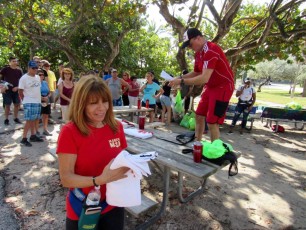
228 157
182 139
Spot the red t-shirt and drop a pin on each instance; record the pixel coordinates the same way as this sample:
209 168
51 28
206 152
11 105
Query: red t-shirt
122 87
212 57
134 85
93 152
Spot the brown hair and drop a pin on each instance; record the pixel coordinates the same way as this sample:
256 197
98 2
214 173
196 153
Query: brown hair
88 89
67 70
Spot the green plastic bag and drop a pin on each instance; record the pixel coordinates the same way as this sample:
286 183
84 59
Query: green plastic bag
192 123
178 103
215 149
293 105
185 121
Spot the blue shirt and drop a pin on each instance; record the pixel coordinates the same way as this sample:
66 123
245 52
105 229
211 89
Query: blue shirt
149 93
44 90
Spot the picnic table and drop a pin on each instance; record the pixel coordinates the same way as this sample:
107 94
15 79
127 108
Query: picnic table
277 115
170 158
119 110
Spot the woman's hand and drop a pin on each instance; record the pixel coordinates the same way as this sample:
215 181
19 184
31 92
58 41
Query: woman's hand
109 175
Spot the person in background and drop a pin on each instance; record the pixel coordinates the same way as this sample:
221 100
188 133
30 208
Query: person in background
106 75
11 74
133 91
212 69
246 98
87 146
125 89
151 91
166 103
65 90
59 81
45 104
186 91
114 83
29 91
51 80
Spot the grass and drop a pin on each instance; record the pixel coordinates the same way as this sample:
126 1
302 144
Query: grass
278 96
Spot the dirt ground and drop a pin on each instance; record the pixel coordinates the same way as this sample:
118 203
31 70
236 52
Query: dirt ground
268 193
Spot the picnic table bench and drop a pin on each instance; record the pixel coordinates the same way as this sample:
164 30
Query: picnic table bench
230 113
274 114
119 110
170 158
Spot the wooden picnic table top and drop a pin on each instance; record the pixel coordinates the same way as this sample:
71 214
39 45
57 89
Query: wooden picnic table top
127 109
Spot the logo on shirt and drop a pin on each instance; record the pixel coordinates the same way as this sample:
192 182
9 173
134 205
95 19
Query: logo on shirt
114 143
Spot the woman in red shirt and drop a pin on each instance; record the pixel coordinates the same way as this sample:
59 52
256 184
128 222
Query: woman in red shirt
86 147
134 91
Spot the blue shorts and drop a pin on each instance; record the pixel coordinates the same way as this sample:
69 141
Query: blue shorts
117 102
9 96
164 100
32 111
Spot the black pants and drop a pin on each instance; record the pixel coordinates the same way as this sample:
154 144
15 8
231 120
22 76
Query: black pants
112 220
125 99
241 108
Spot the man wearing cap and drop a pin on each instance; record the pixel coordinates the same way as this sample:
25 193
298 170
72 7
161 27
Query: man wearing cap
114 83
29 92
246 98
212 69
11 74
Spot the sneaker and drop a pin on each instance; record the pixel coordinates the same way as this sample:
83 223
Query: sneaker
46 133
6 122
25 142
51 122
17 121
230 132
35 138
38 134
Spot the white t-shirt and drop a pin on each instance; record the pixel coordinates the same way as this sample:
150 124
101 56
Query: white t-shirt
246 93
31 88
59 81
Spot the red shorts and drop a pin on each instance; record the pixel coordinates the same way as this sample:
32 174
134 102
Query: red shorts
214 103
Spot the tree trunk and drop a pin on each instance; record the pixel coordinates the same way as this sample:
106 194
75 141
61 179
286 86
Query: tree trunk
264 82
304 89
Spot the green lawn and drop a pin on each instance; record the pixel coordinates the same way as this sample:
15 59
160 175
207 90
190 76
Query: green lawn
277 96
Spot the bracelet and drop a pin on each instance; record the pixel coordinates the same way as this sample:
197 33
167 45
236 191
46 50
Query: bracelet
94 181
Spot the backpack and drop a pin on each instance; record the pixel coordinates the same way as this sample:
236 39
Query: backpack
280 128
221 153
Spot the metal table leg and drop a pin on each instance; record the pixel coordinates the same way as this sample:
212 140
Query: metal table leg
163 206
191 195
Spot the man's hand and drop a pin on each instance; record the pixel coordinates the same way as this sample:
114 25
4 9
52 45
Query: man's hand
15 89
175 81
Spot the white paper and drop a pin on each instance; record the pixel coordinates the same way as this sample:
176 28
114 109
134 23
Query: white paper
166 76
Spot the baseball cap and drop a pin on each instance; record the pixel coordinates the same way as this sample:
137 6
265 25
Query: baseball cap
32 64
188 35
114 70
247 80
46 63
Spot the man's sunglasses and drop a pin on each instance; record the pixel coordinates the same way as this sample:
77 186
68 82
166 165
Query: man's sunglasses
34 68
41 74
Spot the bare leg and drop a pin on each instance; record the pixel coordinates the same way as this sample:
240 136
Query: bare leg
199 129
152 114
16 109
169 115
45 121
26 128
214 131
7 111
163 114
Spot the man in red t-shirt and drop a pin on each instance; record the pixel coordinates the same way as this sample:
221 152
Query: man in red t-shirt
212 69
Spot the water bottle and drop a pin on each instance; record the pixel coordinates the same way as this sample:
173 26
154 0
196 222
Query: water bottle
138 103
93 197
